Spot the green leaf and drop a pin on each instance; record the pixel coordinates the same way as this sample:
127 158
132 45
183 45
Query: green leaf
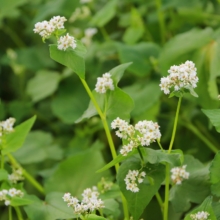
17 201
206 206
181 44
111 208
138 94
140 55
38 147
72 58
15 140
104 15
77 171
193 190
117 99
94 217
43 84
52 208
67 105
152 182
215 175
214 117
175 158
136 30
3 175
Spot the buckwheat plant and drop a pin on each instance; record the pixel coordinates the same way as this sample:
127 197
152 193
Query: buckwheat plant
141 170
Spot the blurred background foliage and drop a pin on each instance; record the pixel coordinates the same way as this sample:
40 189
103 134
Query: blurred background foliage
152 34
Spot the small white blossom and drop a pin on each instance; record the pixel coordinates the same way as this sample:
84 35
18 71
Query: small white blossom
89 32
46 28
200 216
5 195
178 174
133 178
104 83
7 126
143 133
16 175
182 76
89 203
66 41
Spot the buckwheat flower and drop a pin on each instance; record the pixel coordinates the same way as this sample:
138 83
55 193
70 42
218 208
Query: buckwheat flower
178 174
200 216
89 32
180 77
7 126
5 195
7 202
57 22
104 83
132 179
16 175
65 42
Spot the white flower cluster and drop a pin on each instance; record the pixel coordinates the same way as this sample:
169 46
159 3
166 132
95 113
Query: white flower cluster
66 41
89 203
104 83
143 133
16 175
46 28
7 126
89 32
182 76
6 195
200 216
133 178
178 174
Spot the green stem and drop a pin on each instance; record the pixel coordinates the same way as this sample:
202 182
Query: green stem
175 125
27 175
105 34
167 179
109 138
2 161
18 212
10 212
141 156
158 141
167 185
161 20
192 128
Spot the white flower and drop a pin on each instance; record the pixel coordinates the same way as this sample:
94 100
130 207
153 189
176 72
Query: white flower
104 83
200 216
16 175
66 41
7 126
143 133
178 174
46 28
5 194
133 178
182 76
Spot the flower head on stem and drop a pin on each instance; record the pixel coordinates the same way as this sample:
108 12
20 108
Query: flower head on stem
178 174
200 216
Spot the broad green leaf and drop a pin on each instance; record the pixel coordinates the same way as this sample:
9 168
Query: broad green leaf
52 208
117 99
215 175
214 117
216 208
193 190
142 92
94 217
17 201
105 14
43 84
3 175
175 158
181 44
77 172
15 140
72 58
152 182
70 101
140 55
206 206
38 147
136 29
111 208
